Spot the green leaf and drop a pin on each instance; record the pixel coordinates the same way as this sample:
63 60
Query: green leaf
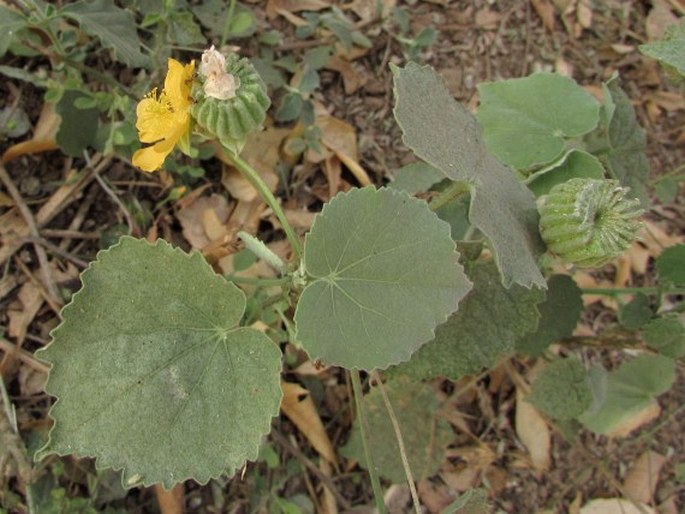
559 314
113 26
425 434
78 128
183 30
575 164
383 274
473 501
670 50
671 265
562 389
443 133
11 22
527 121
416 177
622 393
487 324
152 373
636 313
290 108
621 145
666 190
667 335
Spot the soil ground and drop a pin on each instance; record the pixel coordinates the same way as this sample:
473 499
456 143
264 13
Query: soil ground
479 40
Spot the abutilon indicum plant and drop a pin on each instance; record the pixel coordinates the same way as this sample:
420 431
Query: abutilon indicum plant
155 373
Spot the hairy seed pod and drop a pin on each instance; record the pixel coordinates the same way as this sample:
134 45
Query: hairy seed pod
230 99
588 222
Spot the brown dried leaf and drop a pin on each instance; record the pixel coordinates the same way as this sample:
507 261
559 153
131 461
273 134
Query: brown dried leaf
276 7
487 19
298 406
545 11
658 19
635 421
22 311
352 80
584 13
43 138
614 506
193 218
641 480
533 432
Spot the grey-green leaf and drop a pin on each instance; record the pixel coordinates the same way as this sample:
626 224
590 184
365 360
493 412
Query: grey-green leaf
622 148
383 274
559 314
526 121
576 164
11 22
667 335
671 265
670 50
78 128
114 26
487 324
619 394
562 389
425 434
443 133
152 373
416 177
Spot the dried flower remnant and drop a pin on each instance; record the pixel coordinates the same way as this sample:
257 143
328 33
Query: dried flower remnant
165 119
218 82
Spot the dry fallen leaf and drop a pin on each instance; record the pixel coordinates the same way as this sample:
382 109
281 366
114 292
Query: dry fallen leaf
43 138
658 19
545 11
195 219
276 7
487 19
341 138
298 406
352 80
642 477
22 311
534 433
614 506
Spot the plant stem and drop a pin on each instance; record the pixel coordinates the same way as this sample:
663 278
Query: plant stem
453 191
266 282
253 178
364 429
400 442
630 290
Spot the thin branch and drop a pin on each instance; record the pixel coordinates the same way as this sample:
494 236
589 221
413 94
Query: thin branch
400 442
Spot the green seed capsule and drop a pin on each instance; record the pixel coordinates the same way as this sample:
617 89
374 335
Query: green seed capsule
588 222
230 99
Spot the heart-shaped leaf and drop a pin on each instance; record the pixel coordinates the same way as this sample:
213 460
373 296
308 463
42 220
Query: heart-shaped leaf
152 372
384 274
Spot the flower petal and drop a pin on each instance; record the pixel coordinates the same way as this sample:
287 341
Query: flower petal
155 121
177 84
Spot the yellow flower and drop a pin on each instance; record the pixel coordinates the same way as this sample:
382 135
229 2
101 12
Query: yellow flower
165 119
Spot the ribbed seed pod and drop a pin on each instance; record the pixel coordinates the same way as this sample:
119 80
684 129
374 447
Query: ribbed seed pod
231 119
588 222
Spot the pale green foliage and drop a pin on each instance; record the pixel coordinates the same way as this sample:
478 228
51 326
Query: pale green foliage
152 372
383 273
669 51
527 121
562 389
619 394
114 26
487 324
620 142
10 22
425 435
559 314
667 335
443 133
574 164
670 265
416 177
473 501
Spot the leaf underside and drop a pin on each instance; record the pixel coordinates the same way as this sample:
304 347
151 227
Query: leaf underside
152 373
444 134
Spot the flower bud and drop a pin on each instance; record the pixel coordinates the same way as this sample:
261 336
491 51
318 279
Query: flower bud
230 99
588 222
